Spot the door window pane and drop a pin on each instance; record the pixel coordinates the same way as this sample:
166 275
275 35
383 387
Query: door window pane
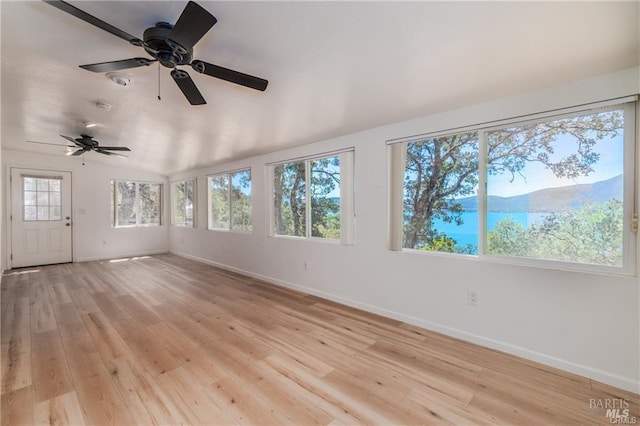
39 194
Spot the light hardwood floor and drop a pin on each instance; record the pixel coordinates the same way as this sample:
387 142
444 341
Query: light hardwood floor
165 340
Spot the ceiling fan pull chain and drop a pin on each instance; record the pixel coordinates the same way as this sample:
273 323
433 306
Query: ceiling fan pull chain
159 98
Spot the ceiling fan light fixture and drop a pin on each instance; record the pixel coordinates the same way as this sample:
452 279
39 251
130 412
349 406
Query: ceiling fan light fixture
119 79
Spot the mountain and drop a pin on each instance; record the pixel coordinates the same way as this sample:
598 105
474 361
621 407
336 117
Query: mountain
551 199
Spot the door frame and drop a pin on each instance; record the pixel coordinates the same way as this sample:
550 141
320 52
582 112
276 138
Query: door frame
9 208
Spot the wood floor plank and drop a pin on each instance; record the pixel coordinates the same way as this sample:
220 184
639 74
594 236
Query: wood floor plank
195 360
60 410
108 342
58 293
147 402
101 402
184 389
17 407
16 367
42 316
83 358
165 340
51 376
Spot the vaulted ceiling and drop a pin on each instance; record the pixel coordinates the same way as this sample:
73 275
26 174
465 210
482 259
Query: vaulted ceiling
333 68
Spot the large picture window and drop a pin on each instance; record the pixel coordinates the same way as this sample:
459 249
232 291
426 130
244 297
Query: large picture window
557 189
183 195
314 197
135 203
229 200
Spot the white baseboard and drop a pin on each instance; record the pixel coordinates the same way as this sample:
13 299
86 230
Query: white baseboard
117 256
562 364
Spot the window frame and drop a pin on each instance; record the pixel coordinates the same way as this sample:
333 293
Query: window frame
629 105
114 205
195 202
37 204
229 175
347 197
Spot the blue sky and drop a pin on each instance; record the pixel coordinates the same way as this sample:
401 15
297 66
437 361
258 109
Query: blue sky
538 177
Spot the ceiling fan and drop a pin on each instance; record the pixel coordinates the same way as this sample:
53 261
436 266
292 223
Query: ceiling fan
170 46
86 143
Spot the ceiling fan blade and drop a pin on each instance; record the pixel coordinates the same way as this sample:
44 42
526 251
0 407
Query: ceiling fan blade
73 141
188 87
115 148
76 153
102 151
118 65
56 144
193 24
230 75
80 14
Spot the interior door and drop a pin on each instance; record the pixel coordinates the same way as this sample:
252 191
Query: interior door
40 217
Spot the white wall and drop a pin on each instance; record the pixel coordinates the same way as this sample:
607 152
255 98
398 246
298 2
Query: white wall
585 323
93 236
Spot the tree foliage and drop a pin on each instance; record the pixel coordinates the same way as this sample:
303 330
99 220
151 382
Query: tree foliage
442 169
230 201
137 208
589 234
290 198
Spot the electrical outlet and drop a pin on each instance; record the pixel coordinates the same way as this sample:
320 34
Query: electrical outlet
472 297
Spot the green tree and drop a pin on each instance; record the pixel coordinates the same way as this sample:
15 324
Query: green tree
591 234
290 198
241 209
179 198
219 201
441 170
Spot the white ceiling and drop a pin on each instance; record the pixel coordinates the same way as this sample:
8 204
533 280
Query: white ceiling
334 68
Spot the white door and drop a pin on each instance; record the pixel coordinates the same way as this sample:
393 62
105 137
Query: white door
40 217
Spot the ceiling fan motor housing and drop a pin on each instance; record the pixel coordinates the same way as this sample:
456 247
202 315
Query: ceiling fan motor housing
167 52
87 141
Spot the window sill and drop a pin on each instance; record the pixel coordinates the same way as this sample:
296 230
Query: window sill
530 263
231 231
314 239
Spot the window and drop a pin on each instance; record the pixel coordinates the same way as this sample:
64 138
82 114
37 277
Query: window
229 201
314 198
135 204
41 197
184 198
556 189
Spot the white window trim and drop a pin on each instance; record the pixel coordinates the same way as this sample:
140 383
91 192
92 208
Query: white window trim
209 218
114 219
195 202
347 196
397 159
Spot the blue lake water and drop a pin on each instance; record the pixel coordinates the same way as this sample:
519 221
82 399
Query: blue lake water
467 233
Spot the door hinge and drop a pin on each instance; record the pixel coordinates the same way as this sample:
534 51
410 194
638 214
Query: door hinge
11 258
634 223
10 217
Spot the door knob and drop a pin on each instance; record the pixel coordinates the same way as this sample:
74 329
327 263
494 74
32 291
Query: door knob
68 217
67 224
